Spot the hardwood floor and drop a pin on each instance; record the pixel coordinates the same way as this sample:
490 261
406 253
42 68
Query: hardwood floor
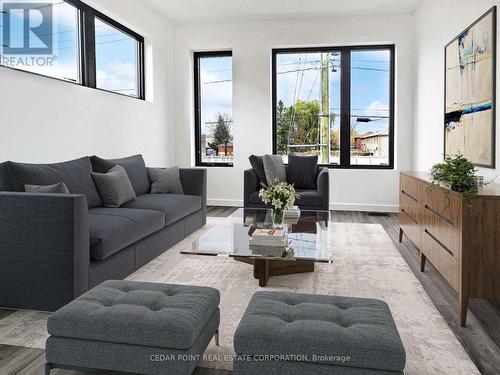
481 337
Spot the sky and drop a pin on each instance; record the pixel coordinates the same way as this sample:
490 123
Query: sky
216 88
115 51
299 73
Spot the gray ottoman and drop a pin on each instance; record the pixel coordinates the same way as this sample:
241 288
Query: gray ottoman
295 334
134 327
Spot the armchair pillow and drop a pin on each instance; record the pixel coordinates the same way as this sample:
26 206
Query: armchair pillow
303 171
165 180
274 168
258 166
59 188
114 186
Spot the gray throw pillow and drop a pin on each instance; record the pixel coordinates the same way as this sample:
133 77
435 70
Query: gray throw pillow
274 168
165 180
114 186
59 188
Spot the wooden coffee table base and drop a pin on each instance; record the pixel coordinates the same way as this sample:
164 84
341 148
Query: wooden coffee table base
265 268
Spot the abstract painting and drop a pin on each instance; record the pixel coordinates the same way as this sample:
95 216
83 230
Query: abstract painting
470 64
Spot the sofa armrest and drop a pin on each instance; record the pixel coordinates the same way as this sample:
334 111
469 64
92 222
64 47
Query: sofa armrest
194 182
250 185
323 183
44 250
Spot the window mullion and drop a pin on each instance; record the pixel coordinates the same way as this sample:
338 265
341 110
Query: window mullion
89 68
345 112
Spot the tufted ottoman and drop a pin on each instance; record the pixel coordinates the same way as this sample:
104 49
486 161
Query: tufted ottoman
134 327
292 334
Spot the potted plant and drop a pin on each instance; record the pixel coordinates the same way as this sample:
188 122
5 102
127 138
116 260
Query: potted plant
281 196
456 173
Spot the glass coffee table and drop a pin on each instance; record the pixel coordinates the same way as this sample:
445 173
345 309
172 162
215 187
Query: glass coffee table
309 241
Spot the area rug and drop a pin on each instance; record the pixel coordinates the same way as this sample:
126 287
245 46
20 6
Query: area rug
366 264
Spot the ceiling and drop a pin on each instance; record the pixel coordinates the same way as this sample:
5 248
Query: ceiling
201 11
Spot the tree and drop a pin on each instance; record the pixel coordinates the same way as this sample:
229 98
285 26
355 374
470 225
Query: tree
298 124
221 132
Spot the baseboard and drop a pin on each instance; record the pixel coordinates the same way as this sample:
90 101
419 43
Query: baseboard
365 207
225 202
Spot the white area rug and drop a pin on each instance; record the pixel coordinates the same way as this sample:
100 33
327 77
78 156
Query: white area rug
366 264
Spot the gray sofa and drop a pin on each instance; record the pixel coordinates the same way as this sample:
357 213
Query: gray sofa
317 199
54 247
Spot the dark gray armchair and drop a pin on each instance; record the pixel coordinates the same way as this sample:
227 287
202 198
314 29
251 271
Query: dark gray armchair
309 199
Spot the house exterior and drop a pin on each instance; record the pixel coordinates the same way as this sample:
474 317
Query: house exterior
373 143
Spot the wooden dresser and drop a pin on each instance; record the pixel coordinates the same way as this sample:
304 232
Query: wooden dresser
460 237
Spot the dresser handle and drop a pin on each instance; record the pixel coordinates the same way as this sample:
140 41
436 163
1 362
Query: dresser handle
409 196
411 217
439 242
439 215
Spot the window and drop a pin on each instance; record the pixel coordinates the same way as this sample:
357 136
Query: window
71 41
336 103
116 55
53 51
213 78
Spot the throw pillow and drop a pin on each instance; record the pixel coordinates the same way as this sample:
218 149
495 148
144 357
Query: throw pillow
59 188
303 171
165 180
257 164
274 168
114 186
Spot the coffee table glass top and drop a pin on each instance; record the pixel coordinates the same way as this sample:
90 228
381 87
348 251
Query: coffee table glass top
309 237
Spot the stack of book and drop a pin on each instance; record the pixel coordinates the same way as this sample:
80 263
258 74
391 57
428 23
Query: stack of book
293 214
269 237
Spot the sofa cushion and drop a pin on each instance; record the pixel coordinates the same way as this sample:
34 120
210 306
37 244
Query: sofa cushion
6 179
307 198
321 327
302 171
112 229
138 313
76 174
114 186
134 165
59 188
175 206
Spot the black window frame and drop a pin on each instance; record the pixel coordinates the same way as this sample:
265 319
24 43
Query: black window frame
345 100
87 62
197 104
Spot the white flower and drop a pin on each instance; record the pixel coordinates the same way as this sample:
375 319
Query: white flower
277 203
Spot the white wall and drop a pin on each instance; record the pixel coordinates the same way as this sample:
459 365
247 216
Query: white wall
436 24
251 44
45 120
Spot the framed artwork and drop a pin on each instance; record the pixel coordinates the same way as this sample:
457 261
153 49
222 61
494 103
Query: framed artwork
470 80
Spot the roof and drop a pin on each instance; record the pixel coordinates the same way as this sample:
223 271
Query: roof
371 135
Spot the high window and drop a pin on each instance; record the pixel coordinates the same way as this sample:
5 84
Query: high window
336 103
71 41
213 87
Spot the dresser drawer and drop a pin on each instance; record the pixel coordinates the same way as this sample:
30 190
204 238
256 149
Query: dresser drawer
410 229
411 188
443 231
440 258
447 206
410 207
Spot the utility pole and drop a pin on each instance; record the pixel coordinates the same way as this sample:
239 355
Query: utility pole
325 109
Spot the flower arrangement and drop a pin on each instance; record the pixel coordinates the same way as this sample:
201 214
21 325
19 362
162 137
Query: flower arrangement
280 195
